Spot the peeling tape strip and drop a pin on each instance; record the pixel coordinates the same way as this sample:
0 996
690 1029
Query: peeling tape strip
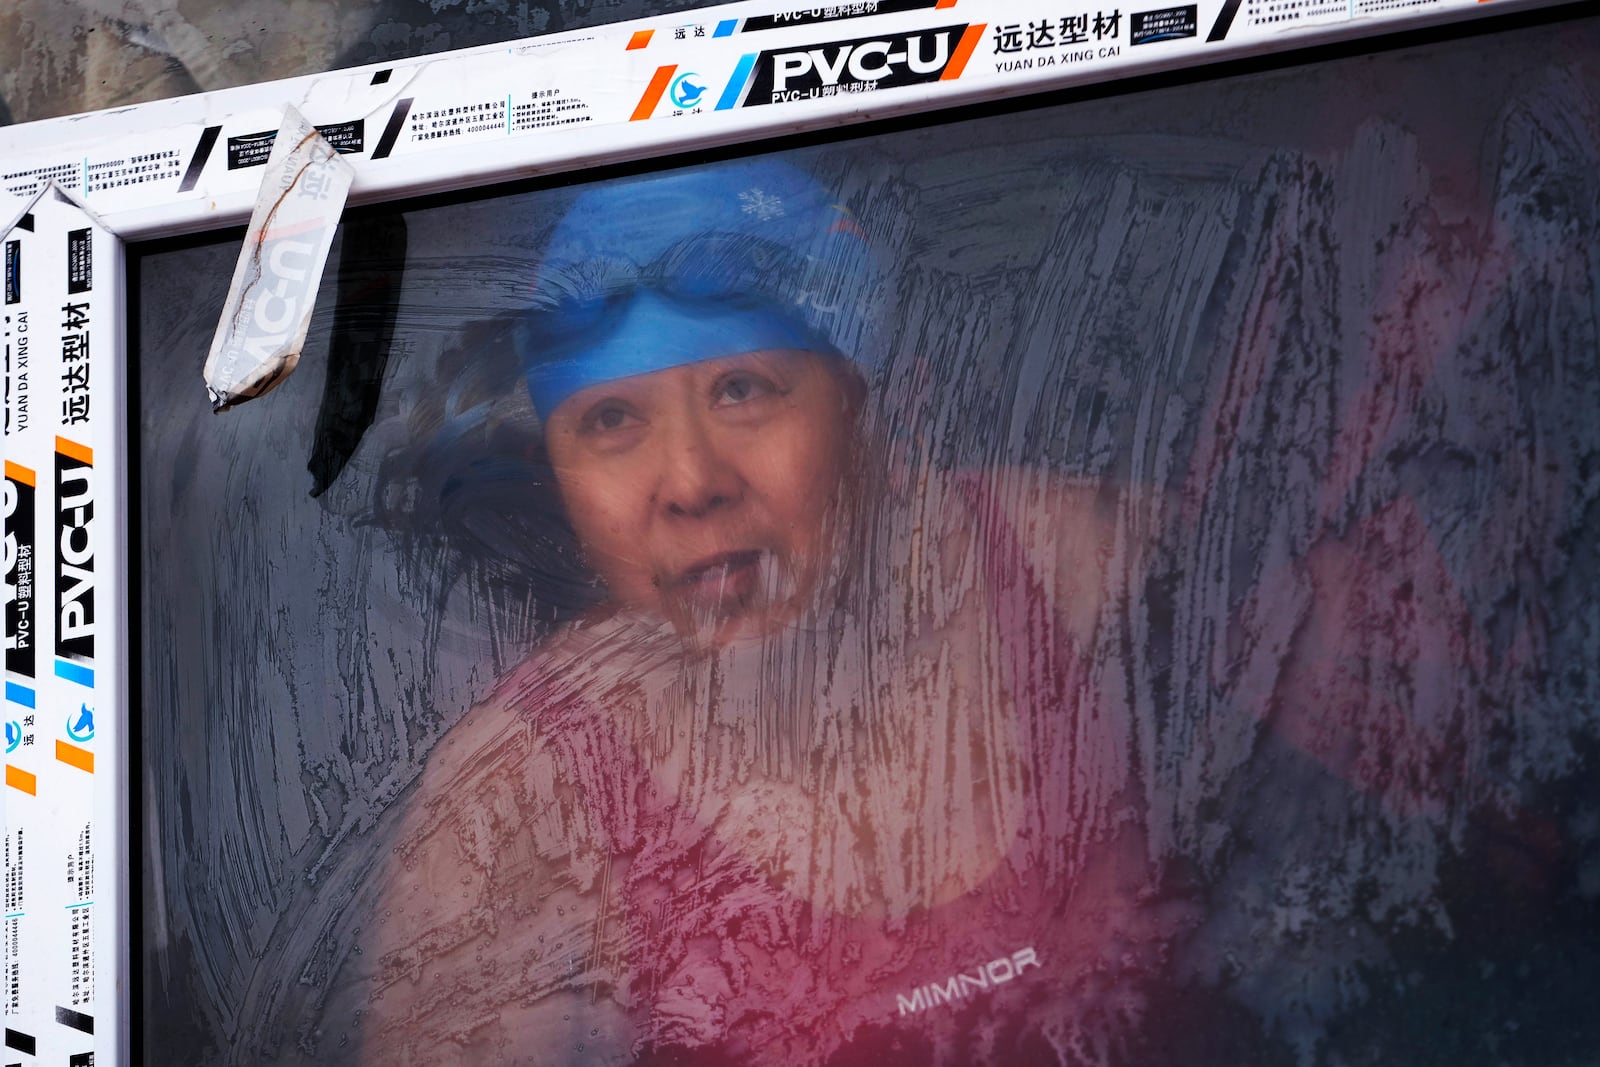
268 311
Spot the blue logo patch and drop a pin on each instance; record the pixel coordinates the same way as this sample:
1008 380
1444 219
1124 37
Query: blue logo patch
686 93
83 729
13 735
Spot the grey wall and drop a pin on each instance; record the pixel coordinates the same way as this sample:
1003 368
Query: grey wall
83 55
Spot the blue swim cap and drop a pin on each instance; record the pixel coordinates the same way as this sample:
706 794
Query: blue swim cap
648 273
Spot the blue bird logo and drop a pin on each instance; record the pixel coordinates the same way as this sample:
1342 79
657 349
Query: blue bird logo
686 93
83 729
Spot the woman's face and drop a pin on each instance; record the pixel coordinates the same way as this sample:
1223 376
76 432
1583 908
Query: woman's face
709 492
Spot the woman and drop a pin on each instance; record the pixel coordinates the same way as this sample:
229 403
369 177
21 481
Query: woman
802 788
687 360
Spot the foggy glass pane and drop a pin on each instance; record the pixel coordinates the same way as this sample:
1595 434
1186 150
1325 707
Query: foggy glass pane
1107 583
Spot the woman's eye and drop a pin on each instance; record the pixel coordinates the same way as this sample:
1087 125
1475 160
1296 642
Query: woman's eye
742 388
606 418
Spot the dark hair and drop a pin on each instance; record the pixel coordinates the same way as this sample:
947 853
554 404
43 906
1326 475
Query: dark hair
468 493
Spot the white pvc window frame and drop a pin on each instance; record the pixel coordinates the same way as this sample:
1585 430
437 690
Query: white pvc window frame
627 92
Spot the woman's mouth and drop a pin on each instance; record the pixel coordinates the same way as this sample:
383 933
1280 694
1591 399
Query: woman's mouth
716 583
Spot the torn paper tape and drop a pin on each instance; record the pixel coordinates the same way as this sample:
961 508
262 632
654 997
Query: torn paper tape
268 313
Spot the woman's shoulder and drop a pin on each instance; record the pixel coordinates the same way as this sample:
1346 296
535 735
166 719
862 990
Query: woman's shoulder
571 682
495 866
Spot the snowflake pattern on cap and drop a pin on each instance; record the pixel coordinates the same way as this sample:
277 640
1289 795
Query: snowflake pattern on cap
761 205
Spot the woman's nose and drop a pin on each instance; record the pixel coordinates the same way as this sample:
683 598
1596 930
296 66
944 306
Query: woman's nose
697 477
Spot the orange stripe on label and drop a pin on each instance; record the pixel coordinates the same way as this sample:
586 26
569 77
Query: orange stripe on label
639 39
942 4
17 778
18 473
958 62
81 453
652 93
73 756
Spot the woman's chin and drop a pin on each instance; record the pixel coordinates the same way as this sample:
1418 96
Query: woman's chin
754 600
709 630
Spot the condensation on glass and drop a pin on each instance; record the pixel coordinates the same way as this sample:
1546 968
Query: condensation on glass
1161 628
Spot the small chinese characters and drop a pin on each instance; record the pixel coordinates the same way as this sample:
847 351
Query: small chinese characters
27 729
316 183
840 11
1067 30
135 170
549 107
26 182
455 121
75 364
16 902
